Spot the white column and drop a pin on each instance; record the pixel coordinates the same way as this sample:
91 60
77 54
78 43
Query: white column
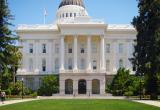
89 87
49 51
75 87
89 53
62 87
37 55
115 52
102 86
102 54
129 55
62 54
75 54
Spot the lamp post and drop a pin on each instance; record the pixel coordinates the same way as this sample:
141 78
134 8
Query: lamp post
22 88
141 86
0 78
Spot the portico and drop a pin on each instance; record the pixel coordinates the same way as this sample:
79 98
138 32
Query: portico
87 41
82 84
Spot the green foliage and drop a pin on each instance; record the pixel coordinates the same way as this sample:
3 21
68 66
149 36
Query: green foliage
16 89
50 85
34 94
119 81
9 53
125 84
146 59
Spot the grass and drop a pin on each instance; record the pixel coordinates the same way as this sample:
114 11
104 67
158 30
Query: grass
79 105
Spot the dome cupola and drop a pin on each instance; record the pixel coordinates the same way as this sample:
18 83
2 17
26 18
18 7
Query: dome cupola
72 2
70 9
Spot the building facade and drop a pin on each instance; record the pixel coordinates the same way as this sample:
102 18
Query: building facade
84 53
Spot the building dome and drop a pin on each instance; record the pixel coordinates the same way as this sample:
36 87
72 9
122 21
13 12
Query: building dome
72 2
70 9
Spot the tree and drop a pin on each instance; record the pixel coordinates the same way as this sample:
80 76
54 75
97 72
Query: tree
119 82
9 52
146 60
49 85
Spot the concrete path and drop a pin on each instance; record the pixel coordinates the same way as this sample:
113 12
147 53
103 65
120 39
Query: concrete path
149 102
15 101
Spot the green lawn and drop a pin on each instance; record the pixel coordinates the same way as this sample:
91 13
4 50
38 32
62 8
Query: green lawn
79 105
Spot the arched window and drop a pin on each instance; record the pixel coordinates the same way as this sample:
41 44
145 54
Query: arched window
68 86
95 86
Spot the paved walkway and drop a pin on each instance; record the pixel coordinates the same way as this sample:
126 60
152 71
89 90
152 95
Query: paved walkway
15 101
149 102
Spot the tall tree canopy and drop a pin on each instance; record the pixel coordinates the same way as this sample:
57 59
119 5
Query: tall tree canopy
146 59
9 52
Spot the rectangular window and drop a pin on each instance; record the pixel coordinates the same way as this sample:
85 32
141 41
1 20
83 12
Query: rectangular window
82 64
30 48
66 14
74 14
43 48
108 48
120 48
94 64
121 65
107 65
56 65
30 64
43 65
94 47
70 14
57 48
69 48
30 83
82 50
70 63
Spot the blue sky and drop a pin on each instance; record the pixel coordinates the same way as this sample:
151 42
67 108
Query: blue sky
111 11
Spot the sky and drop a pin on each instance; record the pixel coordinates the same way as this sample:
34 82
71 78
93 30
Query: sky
110 11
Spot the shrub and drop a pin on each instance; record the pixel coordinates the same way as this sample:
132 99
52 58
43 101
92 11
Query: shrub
128 93
34 94
119 81
16 89
50 85
125 84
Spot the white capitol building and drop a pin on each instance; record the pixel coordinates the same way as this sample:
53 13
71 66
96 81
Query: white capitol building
84 53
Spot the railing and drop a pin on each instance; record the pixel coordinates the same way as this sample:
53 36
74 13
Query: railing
64 71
